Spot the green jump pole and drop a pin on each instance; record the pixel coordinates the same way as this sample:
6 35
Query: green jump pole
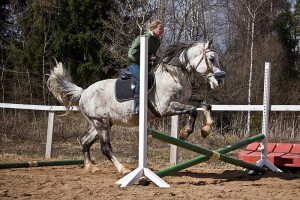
202 158
40 163
207 154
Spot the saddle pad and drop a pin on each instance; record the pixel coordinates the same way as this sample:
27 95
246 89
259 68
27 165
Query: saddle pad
124 91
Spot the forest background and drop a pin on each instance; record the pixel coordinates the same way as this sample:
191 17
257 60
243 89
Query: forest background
92 38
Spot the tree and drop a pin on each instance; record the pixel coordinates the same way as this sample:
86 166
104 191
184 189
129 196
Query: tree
69 30
252 8
79 35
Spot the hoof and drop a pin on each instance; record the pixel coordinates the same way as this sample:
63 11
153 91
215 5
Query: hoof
125 171
94 169
88 167
205 131
183 134
144 181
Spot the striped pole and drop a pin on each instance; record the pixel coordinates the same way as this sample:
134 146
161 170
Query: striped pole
207 154
39 163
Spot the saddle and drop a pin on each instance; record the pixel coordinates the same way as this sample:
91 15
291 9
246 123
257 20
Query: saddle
125 85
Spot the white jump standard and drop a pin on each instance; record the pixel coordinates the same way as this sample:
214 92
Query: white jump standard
142 169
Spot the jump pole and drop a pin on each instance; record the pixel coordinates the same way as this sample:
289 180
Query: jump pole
142 169
211 154
203 158
39 163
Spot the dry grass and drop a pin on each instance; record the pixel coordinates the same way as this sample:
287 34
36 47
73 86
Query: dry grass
24 133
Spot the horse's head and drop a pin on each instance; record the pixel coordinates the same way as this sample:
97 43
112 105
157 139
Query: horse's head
205 61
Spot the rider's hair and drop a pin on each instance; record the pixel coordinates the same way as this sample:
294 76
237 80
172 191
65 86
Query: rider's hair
153 25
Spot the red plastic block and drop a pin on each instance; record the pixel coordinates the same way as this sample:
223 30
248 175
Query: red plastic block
253 146
271 147
241 154
292 159
280 150
295 149
275 158
283 148
254 156
249 149
280 154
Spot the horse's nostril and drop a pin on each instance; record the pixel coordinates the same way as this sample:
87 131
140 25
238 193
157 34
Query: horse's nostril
220 82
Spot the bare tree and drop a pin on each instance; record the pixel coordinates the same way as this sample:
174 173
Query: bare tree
252 8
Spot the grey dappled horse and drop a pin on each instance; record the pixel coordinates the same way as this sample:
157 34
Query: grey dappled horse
173 89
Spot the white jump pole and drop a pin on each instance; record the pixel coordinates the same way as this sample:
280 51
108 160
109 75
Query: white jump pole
142 169
265 125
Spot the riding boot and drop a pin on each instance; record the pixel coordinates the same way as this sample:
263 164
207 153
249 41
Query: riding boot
136 108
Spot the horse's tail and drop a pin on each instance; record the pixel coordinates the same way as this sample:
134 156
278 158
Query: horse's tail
61 86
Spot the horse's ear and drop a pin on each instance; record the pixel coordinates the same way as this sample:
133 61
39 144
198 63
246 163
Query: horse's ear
209 44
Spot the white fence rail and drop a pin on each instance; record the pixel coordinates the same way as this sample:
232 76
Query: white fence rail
214 107
53 109
35 107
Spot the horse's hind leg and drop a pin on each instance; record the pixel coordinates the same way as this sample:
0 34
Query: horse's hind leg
106 150
86 142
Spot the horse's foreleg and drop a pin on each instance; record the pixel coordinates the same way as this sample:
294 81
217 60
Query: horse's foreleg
189 128
106 150
176 108
206 130
86 142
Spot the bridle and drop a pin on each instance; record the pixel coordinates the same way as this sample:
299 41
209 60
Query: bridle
209 71
184 63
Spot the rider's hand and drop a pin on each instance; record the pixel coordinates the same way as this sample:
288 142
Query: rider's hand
152 57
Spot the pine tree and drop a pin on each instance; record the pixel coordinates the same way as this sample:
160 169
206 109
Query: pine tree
286 30
78 38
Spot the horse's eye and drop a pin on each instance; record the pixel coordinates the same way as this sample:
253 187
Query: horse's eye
212 59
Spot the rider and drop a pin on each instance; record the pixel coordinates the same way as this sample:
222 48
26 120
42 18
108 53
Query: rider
155 31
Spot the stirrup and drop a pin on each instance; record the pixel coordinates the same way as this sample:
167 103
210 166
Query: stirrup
136 110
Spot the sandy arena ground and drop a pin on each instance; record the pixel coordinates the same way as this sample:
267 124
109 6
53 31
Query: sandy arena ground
72 182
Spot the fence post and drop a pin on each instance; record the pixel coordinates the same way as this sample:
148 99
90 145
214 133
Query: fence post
49 135
174 133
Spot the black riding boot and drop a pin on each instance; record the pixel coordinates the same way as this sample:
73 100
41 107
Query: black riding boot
136 108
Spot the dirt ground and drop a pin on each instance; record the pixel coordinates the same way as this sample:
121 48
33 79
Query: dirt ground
198 182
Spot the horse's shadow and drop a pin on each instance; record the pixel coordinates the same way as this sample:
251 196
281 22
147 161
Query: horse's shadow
235 175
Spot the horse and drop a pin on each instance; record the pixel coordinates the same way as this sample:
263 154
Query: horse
169 97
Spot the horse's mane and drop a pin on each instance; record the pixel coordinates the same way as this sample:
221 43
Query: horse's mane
172 53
